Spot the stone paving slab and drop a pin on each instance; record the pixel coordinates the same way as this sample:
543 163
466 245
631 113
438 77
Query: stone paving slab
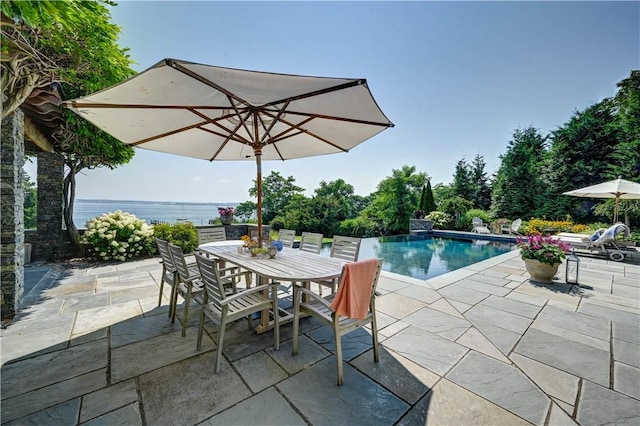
357 399
265 408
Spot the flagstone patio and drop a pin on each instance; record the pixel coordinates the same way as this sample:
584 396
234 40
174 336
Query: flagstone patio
481 345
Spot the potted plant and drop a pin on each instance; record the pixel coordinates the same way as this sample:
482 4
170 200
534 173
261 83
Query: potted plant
542 256
226 214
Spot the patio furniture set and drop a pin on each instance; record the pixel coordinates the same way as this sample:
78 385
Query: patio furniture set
211 283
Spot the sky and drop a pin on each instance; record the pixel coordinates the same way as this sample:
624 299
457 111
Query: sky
456 79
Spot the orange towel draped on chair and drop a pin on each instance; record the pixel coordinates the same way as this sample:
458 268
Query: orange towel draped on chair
354 290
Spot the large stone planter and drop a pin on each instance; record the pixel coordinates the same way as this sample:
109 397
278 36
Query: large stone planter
226 219
541 272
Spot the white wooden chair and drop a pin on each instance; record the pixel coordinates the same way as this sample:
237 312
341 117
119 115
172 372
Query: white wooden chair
479 226
287 237
224 308
319 307
513 228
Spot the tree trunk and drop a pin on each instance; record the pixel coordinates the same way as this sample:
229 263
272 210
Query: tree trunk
69 199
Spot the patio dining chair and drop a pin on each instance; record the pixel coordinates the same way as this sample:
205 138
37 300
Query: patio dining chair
169 272
352 307
287 237
223 308
188 284
311 242
345 248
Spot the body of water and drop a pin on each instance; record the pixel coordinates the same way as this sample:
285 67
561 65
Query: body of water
426 257
198 213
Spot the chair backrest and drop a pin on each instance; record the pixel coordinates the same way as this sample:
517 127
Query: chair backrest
350 306
345 248
211 278
515 225
476 221
179 261
163 249
311 242
287 237
208 235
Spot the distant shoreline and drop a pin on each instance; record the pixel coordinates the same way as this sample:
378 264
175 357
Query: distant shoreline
212 203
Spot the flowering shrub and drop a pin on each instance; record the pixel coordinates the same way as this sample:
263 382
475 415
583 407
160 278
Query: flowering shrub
226 211
182 234
118 235
543 249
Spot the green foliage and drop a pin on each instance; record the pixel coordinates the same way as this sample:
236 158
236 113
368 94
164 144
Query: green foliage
246 210
462 184
518 190
466 220
429 202
118 236
360 227
276 192
182 234
30 203
456 207
395 200
441 220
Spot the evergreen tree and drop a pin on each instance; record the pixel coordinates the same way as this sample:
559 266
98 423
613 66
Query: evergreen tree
518 189
481 190
430 202
462 180
580 155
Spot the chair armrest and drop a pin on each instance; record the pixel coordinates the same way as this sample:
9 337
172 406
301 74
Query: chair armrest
297 290
243 293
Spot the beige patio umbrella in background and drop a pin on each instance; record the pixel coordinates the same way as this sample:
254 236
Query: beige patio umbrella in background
618 189
214 113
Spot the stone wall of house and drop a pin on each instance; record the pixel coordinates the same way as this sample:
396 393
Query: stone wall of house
51 240
12 206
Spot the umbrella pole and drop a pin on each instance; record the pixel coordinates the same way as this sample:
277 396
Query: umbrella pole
615 210
258 154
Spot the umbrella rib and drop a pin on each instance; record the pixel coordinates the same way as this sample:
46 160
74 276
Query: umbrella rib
203 80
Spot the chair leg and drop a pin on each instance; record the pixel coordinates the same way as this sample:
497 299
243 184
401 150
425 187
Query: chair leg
276 319
201 329
173 300
296 319
374 332
223 326
164 270
185 315
336 336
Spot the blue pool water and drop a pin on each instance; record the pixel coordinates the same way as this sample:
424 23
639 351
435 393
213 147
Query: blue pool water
424 257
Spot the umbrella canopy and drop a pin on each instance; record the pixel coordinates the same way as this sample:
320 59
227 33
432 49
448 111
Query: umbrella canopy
618 189
214 113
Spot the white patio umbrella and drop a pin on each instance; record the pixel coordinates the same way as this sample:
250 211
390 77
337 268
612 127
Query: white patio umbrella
618 189
214 113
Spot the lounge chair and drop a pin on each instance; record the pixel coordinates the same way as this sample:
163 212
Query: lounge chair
513 228
602 242
479 226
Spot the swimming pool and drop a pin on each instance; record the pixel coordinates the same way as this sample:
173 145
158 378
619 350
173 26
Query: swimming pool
424 257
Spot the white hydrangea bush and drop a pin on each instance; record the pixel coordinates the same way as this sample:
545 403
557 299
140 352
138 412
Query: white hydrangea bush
118 236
